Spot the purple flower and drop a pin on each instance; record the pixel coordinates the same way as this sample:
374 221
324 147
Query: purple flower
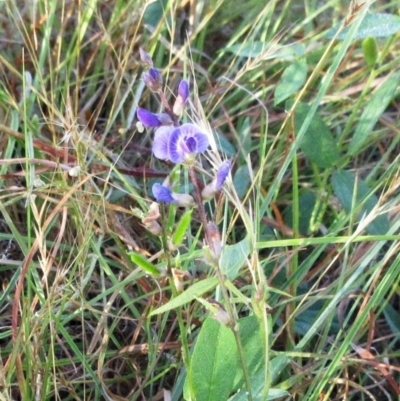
164 194
181 99
153 79
179 144
147 118
216 184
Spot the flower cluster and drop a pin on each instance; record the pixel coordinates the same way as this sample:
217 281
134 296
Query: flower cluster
176 142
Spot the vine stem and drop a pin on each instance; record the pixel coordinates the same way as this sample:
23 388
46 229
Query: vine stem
221 278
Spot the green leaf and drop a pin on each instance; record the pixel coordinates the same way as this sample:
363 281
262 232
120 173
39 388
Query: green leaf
234 257
225 146
291 81
181 228
154 12
242 181
144 264
276 366
273 394
373 111
252 49
344 185
307 206
318 143
373 25
252 342
213 361
188 295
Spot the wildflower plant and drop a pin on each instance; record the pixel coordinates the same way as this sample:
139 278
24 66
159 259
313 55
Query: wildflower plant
181 144
186 145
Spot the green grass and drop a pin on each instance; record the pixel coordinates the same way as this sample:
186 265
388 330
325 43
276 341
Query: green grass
309 275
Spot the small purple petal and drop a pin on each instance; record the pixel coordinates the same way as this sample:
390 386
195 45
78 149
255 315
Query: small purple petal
147 118
202 142
161 143
191 144
162 194
189 129
155 74
153 79
183 90
222 173
177 147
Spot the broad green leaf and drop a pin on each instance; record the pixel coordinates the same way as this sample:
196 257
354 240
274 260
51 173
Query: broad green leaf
373 25
225 146
252 342
154 12
373 111
242 181
234 257
344 185
181 228
273 394
253 49
214 360
276 366
318 143
144 264
291 81
307 206
305 320
193 292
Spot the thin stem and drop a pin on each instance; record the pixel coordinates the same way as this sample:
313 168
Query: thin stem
168 108
200 205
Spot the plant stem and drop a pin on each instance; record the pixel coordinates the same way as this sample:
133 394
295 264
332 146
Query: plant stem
221 278
181 323
168 108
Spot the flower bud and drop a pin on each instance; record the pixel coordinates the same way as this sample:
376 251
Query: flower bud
164 118
181 99
214 237
219 313
153 79
164 194
210 190
145 58
150 220
183 200
153 227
